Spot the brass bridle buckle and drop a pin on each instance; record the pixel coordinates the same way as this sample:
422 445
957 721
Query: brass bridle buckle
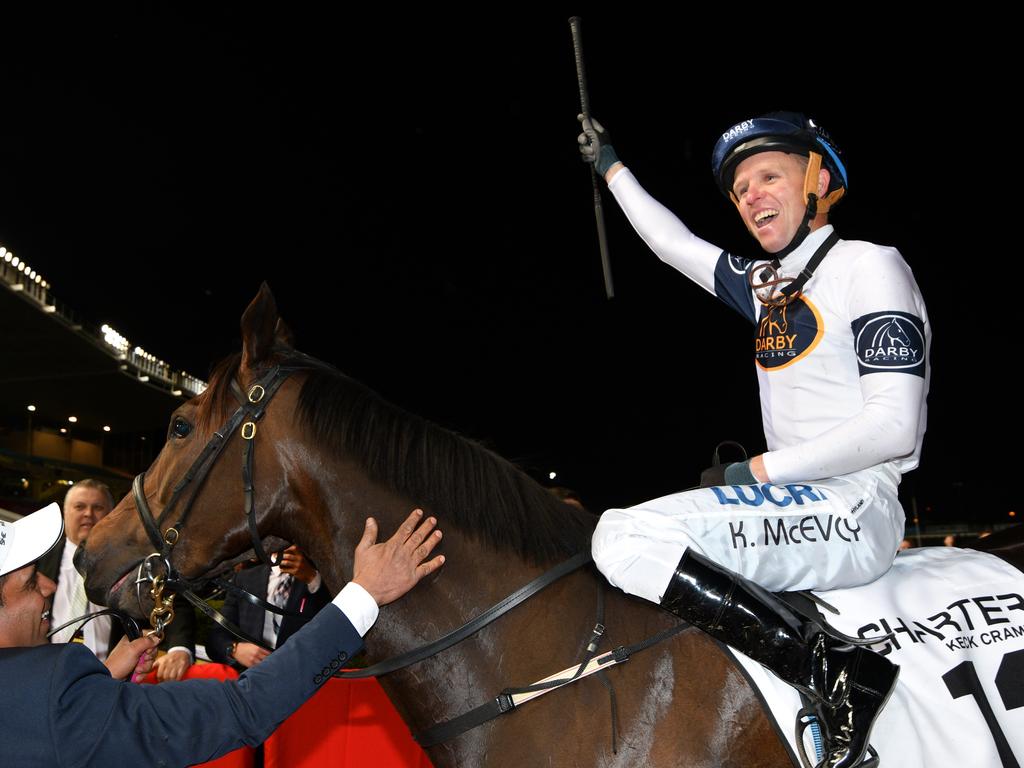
256 393
249 430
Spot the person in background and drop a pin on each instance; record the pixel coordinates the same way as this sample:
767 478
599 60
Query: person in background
86 503
292 583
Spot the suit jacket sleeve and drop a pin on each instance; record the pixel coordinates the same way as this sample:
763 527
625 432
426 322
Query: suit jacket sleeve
96 720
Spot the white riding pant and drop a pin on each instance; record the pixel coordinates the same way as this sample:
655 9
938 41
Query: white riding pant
840 532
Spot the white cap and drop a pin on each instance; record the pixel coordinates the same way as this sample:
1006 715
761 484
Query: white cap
26 540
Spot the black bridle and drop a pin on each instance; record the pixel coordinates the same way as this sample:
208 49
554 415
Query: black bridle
251 409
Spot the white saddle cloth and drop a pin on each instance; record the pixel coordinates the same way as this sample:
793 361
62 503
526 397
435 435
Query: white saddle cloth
958 619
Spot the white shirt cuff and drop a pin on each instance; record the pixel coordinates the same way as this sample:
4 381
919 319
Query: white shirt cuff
314 584
182 648
356 603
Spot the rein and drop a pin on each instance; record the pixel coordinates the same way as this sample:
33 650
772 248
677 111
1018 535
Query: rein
128 623
474 625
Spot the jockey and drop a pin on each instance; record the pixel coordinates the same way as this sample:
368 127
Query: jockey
841 340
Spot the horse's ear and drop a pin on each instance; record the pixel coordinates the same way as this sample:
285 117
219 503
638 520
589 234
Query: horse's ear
261 329
283 335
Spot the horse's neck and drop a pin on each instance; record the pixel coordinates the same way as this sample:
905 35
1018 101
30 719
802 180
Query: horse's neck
334 511
331 505
534 640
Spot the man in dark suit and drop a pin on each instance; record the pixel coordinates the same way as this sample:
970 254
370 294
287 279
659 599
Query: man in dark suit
293 583
85 504
62 707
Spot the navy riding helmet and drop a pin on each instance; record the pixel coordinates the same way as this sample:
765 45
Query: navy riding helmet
776 132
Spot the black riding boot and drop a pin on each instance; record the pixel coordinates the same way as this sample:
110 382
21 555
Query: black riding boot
849 684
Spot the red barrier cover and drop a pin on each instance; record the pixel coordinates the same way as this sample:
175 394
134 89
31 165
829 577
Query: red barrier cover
347 724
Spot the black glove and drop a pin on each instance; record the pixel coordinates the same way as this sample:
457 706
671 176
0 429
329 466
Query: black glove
595 145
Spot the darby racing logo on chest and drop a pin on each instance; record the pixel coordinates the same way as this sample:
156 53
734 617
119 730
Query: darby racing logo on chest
889 341
787 334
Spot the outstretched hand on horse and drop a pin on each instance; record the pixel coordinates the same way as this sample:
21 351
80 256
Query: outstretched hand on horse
390 569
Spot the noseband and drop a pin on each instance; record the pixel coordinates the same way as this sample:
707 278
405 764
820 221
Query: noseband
251 409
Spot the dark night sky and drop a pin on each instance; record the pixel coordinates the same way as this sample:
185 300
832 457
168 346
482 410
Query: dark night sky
410 189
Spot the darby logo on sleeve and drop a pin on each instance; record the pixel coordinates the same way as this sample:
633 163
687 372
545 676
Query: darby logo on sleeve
890 341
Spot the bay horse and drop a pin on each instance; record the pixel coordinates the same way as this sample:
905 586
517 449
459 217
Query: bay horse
327 454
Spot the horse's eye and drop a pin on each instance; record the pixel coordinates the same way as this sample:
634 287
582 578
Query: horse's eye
180 427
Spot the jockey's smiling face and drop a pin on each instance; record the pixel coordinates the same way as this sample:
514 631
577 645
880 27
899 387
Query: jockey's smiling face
770 188
25 607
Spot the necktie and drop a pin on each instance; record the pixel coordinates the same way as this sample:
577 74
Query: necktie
279 597
79 607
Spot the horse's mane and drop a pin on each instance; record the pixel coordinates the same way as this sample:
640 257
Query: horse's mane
471 487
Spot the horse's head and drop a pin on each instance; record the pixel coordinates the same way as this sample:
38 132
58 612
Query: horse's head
195 485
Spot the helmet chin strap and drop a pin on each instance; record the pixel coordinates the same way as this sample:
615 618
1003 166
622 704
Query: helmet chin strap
802 231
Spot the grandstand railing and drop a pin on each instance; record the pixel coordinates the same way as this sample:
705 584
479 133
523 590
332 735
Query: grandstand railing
26 282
